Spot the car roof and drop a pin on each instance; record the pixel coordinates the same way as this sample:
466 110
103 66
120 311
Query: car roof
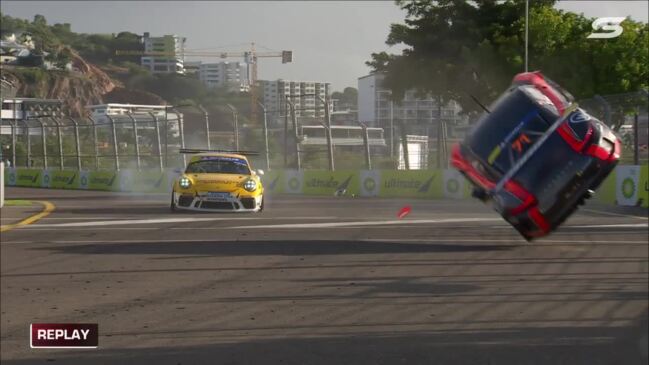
217 154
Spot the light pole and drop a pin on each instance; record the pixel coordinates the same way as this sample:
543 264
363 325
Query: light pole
235 121
265 125
527 18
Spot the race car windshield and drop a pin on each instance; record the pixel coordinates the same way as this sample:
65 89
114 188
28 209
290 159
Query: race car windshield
219 166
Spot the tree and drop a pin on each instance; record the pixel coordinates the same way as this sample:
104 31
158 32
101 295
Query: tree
457 48
348 98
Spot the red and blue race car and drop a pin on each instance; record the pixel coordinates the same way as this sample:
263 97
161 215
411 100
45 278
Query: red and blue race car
535 155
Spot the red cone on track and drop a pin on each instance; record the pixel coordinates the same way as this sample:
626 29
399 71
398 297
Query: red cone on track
404 212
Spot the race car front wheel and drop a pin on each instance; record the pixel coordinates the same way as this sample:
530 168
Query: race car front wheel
172 206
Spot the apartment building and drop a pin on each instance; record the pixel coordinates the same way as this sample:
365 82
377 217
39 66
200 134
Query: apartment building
230 75
172 61
420 114
303 94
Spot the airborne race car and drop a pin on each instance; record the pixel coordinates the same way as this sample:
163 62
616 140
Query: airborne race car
218 182
536 156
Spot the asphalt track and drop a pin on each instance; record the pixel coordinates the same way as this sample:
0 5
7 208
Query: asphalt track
323 281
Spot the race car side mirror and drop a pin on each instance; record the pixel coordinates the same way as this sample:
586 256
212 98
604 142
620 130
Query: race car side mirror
260 172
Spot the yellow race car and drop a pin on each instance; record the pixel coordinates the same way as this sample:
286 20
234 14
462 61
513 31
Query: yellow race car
218 182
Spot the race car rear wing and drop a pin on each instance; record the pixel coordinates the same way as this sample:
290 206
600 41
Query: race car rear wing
198 150
519 164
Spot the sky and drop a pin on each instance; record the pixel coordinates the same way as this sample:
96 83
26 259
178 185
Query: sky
330 40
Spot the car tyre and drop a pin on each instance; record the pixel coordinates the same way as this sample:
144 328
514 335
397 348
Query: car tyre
172 206
261 206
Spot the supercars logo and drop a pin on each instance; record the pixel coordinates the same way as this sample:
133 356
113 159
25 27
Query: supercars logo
609 24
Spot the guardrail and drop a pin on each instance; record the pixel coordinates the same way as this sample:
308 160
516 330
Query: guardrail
627 185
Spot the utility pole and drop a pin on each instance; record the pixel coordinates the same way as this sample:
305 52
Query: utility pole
527 19
265 125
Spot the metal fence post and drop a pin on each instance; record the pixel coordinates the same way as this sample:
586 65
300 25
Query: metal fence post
366 143
60 141
298 163
115 147
13 142
137 145
207 125
44 141
636 143
235 121
29 144
77 146
265 131
181 130
157 139
330 147
95 141
404 144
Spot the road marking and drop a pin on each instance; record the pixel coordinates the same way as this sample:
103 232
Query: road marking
47 209
451 239
614 214
367 223
623 225
115 222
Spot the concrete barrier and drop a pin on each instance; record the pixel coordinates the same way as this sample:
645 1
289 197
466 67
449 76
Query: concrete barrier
626 185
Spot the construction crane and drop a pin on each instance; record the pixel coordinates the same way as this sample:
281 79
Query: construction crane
249 57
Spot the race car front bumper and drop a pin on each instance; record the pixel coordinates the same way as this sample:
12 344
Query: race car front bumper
225 202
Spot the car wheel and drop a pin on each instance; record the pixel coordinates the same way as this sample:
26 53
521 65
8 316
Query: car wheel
261 207
172 206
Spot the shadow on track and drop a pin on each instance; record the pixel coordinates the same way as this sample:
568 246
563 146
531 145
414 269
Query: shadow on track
270 247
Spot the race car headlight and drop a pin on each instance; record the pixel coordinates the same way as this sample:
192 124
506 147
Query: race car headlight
250 185
184 182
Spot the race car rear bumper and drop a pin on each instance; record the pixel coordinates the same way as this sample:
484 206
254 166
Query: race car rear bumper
204 204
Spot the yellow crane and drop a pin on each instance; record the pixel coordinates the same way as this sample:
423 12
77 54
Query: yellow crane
249 57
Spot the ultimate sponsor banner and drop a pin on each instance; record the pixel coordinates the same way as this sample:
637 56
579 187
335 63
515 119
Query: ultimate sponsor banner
273 182
144 181
330 182
626 185
293 181
104 180
410 184
63 179
28 177
370 182
453 184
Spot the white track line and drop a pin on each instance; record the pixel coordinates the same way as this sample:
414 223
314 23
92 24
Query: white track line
614 214
366 223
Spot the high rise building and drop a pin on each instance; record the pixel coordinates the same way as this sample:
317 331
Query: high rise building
303 94
230 75
420 114
172 59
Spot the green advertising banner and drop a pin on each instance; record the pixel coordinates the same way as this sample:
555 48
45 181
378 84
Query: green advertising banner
606 192
64 179
411 184
26 177
144 181
643 186
103 180
344 182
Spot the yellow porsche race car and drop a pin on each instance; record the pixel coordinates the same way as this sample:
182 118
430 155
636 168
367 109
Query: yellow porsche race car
218 182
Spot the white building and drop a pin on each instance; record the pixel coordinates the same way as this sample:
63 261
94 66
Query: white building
420 114
171 47
230 75
142 113
23 110
303 94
